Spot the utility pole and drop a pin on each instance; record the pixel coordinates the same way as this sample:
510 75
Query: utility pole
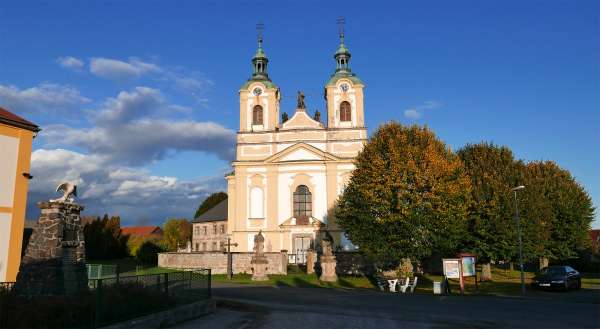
520 240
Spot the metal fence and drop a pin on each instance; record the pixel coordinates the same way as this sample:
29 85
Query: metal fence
98 302
101 271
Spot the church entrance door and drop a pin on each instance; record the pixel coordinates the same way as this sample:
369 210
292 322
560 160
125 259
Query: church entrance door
301 245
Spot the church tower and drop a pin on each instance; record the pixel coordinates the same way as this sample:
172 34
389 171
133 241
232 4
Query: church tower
344 92
259 96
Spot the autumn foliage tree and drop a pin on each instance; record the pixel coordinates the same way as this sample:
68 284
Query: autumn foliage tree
176 233
408 196
491 231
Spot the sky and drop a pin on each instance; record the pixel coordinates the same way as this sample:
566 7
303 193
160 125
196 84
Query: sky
138 100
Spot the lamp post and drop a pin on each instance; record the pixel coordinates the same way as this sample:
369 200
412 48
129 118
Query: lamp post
520 241
229 257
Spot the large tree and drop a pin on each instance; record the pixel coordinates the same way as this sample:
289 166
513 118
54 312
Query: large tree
491 230
104 240
408 196
176 233
210 202
556 211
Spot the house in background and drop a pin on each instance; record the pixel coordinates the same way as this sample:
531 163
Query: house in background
143 231
209 230
16 136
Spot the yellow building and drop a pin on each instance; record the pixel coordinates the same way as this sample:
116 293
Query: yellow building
288 174
16 135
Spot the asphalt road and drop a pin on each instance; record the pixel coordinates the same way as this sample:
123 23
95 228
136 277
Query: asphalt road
246 306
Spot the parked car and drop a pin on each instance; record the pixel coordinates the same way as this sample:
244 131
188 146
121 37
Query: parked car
557 277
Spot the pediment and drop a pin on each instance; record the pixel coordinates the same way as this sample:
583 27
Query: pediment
301 152
301 120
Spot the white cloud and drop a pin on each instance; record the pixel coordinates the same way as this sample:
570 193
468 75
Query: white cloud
105 187
412 114
71 63
417 111
132 129
119 70
44 98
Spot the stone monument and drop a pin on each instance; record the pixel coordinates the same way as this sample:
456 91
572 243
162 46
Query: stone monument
311 258
328 262
55 254
259 262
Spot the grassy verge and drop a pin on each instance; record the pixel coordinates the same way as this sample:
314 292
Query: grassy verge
300 280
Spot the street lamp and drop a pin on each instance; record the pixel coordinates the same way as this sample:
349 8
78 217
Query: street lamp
520 241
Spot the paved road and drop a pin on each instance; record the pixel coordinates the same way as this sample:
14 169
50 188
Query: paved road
285 307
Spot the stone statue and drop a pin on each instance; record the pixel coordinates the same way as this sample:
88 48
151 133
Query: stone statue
318 116
259 244
327 260
301 104
69 192
259 262
327 244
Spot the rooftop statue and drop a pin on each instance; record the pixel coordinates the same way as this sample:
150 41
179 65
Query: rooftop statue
301 104
69 192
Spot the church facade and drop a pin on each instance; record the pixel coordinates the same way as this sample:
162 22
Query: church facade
287 175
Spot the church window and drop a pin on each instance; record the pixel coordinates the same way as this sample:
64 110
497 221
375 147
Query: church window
214 246
215 229
197 247
222 229
302 203
257 115
204 229
345 112
256 203
203 246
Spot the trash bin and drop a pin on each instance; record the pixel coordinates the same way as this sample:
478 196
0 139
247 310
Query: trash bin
437 288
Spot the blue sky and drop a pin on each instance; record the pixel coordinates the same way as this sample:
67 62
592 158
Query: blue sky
138 99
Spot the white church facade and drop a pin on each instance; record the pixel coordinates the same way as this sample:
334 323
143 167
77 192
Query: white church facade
287 175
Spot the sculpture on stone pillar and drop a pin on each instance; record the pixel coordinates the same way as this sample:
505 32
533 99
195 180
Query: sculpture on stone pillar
69 192
259 261
328 261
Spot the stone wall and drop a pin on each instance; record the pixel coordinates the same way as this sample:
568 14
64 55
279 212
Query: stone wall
217 261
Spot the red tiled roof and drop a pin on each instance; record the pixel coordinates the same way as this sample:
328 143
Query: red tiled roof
595 235
12 119
141 230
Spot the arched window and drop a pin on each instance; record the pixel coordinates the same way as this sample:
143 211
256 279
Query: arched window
302 204
257 115
345 111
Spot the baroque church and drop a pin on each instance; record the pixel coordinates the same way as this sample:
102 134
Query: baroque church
288 174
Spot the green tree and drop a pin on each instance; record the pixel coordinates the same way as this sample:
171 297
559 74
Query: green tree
408 196
210 202
491 229
176 233
104 240
557 213
148 251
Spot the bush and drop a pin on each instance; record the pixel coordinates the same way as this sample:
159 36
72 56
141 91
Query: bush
148 252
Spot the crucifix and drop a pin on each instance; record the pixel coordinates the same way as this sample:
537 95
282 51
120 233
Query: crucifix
341 21
229 257
260 27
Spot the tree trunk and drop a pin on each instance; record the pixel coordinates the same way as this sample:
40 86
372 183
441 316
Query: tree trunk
486 272
543 262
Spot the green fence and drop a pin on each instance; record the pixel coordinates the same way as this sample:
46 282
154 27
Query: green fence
101 271
99 302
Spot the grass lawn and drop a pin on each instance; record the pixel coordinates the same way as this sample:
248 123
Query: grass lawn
297 278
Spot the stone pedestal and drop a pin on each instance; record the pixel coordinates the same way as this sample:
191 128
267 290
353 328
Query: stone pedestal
56 251
259 268
328 264
311 259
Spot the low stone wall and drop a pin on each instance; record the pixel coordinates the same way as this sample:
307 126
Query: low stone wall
217 261
351 262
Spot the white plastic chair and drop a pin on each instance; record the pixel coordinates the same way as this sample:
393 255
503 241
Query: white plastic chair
392 284
405 285
414 285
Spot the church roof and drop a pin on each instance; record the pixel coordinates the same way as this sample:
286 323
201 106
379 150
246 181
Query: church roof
351 76
267 83
14 120
214 214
